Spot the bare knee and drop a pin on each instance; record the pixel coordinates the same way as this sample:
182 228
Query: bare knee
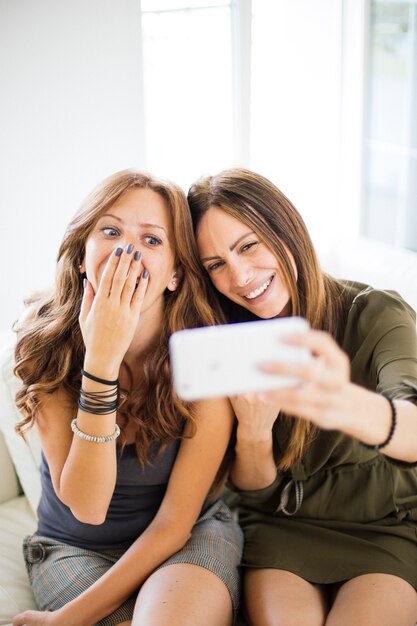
374 600
279 598
183 594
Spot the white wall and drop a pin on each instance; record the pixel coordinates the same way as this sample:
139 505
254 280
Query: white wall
70 114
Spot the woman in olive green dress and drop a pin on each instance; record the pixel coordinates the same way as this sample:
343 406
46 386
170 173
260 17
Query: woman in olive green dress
325 477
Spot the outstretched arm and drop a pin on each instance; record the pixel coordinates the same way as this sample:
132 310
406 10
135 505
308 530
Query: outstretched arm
330 400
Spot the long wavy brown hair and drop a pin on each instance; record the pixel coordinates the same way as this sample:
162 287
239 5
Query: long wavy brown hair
50 349
314 295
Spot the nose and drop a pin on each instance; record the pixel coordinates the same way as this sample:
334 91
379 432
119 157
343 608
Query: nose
241 273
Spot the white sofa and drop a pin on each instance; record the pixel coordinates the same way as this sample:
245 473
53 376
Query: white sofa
19 493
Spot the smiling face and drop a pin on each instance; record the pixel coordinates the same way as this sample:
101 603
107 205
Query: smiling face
241 266
141 217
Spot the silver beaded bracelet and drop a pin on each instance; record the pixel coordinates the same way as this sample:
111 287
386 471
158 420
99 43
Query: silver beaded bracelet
93 438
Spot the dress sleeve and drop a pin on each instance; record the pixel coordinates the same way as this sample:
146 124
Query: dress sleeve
395 355
235 497
382 341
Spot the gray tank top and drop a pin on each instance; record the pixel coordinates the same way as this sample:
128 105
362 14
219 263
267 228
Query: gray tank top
137 496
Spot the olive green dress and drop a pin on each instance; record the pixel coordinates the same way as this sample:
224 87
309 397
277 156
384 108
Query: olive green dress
345 510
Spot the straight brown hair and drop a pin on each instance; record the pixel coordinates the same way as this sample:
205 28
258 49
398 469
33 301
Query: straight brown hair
316 296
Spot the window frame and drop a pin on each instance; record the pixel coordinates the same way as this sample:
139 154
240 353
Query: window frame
358 256
241 34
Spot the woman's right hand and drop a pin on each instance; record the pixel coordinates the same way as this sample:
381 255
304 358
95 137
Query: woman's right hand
254 465
255 416
109 317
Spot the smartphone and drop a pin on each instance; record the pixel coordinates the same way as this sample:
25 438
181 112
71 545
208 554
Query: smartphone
223 360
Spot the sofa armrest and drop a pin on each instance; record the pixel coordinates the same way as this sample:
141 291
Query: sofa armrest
9 484
25 453
16 521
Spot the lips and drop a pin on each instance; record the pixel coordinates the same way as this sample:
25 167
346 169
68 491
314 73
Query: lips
259 290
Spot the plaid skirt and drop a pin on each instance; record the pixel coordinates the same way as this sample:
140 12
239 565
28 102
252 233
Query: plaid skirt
59 572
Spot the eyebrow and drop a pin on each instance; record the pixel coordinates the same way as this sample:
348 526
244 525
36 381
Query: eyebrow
142 224
231 248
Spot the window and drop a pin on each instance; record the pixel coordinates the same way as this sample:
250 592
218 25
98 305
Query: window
252 83
188 87
389 211
280 86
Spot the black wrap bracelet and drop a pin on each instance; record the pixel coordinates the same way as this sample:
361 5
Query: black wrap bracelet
379 446
99 402
96 379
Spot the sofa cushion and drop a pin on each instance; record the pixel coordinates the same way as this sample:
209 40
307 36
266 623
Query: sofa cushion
26 453
9 485
16 521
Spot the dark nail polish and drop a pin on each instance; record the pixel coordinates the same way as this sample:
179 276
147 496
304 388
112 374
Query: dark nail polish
137 255
130 248
118 251
85 282
145 273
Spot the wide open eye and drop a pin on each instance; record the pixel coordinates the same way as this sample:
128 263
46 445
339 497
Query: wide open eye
109 231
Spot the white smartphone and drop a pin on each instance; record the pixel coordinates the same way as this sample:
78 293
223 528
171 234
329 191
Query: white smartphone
223 360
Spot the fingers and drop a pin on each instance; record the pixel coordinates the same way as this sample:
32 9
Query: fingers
314 372
24 618
328 368
128 262
106 280
128 278
87 301
308 402
139 293
247 398
319 343
136 284
121 276
132 277
320 396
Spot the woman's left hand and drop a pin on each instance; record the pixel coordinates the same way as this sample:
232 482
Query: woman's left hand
324 382
36 618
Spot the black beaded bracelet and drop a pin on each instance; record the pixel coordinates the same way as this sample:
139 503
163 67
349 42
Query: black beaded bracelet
99 380
379 446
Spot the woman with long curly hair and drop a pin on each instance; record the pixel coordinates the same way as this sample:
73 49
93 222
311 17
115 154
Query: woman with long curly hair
131 529
324 477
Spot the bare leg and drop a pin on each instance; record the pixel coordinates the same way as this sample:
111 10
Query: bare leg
374 600
183 594
275 597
